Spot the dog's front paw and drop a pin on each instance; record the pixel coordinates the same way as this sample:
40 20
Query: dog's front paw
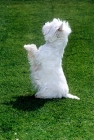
30 47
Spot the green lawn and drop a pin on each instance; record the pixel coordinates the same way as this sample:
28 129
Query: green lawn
22 117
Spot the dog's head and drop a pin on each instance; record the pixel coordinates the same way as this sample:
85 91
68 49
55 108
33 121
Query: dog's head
55 30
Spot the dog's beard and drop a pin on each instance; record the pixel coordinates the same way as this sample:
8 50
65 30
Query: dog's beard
59 35
56 37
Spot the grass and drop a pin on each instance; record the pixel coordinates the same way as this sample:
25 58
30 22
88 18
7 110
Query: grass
22 117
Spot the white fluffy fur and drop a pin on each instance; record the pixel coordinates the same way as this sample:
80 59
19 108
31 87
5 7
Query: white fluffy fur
46 62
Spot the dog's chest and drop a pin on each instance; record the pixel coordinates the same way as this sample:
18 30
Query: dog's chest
49 56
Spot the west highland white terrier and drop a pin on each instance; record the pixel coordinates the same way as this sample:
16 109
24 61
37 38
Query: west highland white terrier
46 62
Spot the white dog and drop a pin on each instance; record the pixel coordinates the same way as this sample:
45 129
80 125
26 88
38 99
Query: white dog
46 62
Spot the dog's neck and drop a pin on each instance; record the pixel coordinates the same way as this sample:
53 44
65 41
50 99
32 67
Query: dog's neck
58 45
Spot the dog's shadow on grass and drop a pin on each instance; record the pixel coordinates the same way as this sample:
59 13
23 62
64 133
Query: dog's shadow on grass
27 103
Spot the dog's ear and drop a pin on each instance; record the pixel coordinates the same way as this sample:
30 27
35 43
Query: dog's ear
66 28
60 28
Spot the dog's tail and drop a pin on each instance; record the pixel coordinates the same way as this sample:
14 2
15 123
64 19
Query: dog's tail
72 96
